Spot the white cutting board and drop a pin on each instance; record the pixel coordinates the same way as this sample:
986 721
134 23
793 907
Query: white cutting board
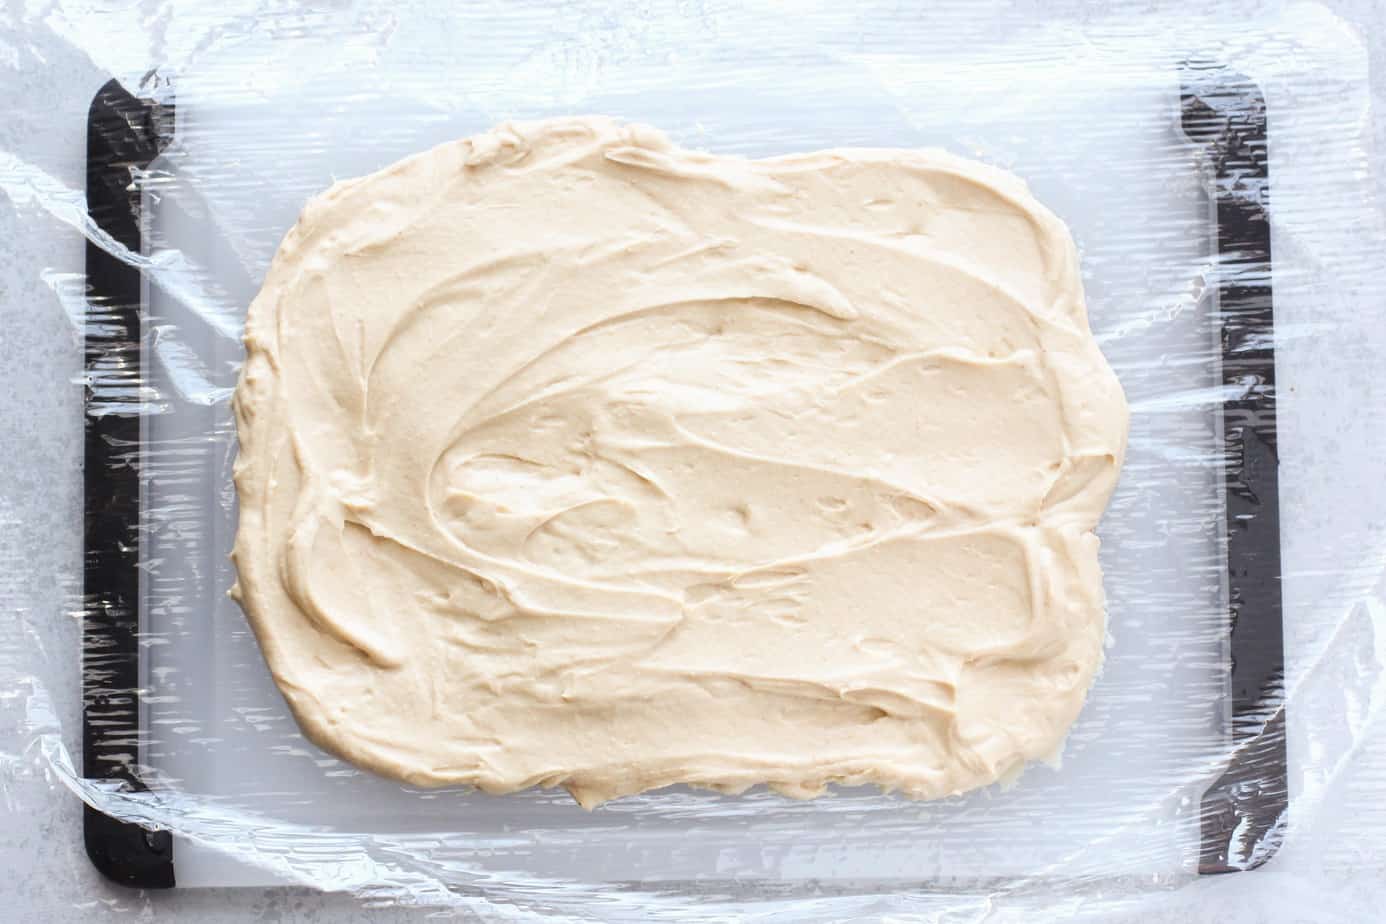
1102 150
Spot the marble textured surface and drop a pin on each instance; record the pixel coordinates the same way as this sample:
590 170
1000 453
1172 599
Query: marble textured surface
1338 874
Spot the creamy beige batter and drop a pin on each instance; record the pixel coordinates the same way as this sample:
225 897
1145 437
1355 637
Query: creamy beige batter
571 458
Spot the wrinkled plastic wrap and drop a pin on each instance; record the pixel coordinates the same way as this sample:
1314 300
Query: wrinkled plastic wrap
1207 169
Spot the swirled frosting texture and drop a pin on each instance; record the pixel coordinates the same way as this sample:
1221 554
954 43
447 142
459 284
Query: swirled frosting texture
569 457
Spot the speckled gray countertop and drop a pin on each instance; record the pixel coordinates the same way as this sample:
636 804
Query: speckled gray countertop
46 874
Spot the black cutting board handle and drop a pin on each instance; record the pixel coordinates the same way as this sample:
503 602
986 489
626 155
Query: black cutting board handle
1243 814
124 135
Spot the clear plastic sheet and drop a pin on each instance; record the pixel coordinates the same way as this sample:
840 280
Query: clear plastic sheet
1141 132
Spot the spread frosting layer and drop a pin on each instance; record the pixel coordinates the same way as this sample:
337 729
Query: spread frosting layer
569 457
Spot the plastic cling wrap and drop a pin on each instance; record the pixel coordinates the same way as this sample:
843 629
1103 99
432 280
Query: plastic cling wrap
1217 180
